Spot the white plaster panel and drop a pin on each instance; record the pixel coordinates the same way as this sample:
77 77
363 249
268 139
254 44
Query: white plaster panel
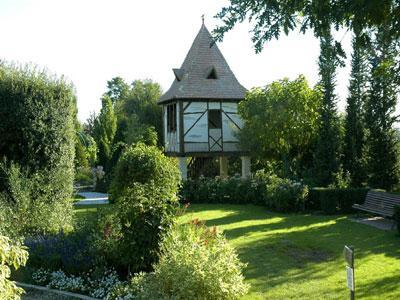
214 105
229 107
199 132
196 107
196 147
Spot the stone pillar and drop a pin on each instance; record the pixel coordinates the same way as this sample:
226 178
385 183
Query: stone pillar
183 167
223 166
246 166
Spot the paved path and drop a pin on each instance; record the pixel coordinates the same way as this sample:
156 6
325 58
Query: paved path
377 222
92 198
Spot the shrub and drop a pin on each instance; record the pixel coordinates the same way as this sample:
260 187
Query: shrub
84 176
145 165
396 217
27 203
264 189
130 237
98 286
72 252
332 200
15 255
285 195
234 190
197 263
37 112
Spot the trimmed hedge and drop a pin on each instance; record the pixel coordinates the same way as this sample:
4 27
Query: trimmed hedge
37 113
271 191
275 193
333 200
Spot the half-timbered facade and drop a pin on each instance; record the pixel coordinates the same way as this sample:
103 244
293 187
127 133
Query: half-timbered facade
200 109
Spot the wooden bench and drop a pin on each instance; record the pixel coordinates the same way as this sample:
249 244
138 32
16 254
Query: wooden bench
379 203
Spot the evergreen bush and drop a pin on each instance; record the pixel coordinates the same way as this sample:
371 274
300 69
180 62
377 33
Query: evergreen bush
334 200
145 165
37 113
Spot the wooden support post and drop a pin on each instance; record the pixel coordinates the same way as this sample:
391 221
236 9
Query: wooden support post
223 166
183 167
246 166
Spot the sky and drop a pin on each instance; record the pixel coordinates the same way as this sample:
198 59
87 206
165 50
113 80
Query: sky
89 42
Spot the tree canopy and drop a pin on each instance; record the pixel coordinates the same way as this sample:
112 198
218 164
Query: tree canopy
272 17
280 119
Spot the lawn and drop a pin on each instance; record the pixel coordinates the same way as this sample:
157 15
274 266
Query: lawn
298 256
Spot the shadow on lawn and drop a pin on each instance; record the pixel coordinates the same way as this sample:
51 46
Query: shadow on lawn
298 247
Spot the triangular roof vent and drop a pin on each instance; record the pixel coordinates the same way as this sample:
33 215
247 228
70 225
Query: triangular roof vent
179 73
212 73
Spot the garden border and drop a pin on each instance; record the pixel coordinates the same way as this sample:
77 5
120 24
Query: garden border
63 293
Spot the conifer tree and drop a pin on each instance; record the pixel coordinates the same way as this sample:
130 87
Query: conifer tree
383 88
326 156
354 139
104 131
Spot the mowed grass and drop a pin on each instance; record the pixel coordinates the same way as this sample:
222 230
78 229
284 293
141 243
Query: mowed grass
299 256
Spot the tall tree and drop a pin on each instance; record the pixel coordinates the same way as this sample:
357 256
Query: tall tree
281 122
104 131
326 156
272 17
139 115
118 89
383 88
354 139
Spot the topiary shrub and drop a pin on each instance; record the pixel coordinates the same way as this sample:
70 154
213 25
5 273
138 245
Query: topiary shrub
144 165
196 263
37 113
145 208
11 255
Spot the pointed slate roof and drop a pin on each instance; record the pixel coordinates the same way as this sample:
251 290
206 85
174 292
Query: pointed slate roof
191 79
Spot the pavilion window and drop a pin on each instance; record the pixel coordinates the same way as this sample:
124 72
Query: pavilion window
171 118
214 119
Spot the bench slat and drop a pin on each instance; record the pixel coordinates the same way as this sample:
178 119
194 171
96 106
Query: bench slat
380 203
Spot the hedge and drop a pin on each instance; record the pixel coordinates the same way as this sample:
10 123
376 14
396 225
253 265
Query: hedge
273 192
37 113
333 200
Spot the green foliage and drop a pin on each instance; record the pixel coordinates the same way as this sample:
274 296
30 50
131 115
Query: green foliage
335 200
139 116
84 176
280 120
11 255
197 263
264 189
354 139
145 215
37 114
270 18
285 195
28 205
233 190
382 143
104 131
144 188
327 152
145 165
396 217
117 89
